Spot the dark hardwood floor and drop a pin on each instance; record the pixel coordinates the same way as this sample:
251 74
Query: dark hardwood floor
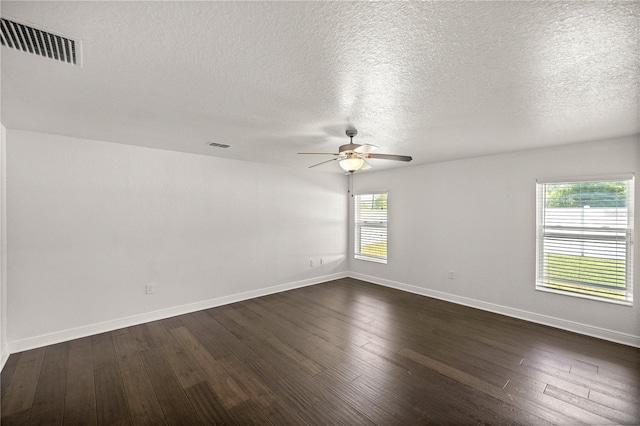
343 352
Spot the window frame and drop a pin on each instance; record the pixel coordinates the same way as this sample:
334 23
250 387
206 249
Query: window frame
542 231
372 225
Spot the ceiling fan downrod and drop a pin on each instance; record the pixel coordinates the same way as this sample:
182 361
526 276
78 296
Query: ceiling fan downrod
350 146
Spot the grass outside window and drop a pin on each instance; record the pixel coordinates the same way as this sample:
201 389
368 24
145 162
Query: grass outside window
586 275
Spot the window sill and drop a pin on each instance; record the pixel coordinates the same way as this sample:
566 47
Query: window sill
584 296
371 259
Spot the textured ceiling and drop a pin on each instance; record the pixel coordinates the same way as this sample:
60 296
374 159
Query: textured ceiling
436 80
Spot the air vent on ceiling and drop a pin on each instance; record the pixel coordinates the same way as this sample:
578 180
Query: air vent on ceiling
38 42
218 145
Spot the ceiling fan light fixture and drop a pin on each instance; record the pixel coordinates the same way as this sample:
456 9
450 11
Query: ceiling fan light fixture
351 164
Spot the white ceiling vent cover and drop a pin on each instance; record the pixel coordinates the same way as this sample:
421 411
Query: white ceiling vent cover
39 42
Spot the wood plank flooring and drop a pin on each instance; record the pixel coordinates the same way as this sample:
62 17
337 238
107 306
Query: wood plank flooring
343 352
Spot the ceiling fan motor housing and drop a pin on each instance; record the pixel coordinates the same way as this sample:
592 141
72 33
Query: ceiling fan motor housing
348 147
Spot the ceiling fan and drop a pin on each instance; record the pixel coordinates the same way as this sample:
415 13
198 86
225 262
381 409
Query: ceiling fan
352 156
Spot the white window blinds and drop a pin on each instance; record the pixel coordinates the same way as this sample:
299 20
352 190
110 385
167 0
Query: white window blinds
370 212
585 231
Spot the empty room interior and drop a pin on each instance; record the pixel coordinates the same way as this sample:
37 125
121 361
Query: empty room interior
319 213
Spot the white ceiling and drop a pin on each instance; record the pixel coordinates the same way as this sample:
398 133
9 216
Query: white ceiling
436 80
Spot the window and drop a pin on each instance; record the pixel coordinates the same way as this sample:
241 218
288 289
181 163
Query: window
585 231
371 227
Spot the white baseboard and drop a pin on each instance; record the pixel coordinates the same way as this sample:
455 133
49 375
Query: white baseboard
576 327
89 330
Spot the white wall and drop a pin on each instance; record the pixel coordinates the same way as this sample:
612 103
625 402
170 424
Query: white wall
91 223
477 218
4 349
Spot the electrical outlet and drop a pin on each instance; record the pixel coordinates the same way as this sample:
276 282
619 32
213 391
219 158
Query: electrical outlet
149 289
451 275
311 263
321 261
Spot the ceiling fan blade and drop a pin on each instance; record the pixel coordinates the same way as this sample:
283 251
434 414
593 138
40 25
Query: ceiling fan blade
319 153
364 148
389 157
324 162
365 166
